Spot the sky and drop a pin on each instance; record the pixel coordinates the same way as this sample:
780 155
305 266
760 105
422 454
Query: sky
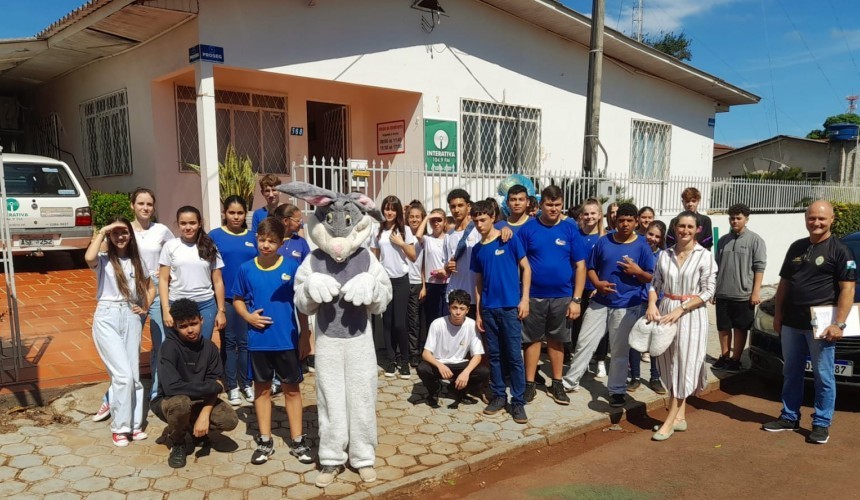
801 57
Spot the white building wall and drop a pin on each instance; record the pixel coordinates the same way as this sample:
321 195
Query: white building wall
477 53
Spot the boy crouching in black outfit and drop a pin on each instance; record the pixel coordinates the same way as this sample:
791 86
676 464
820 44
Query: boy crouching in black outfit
453 352
189 382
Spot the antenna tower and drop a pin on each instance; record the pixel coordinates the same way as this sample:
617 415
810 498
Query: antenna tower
852 103
637 20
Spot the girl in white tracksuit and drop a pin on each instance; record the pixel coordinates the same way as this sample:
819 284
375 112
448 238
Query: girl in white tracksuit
125 291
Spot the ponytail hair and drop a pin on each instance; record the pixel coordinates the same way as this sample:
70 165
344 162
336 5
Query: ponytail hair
206 248
241 201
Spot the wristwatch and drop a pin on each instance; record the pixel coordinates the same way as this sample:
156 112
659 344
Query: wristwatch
576 300
841 326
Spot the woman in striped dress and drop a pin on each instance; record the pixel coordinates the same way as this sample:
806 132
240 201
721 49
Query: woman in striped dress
686 274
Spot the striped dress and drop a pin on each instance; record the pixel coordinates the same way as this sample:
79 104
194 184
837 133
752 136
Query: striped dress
682 366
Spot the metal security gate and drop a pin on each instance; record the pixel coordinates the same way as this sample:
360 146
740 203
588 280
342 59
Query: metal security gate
11 352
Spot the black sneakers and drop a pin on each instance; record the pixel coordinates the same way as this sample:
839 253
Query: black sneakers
530 393
518 412
391 370
783 424
433 400
819 435
733 366
633 384
556 392
617 400
497 404
300 450
720 363
176 459
405 372
265 449
657 386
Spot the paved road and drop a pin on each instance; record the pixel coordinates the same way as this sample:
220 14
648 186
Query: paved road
723 455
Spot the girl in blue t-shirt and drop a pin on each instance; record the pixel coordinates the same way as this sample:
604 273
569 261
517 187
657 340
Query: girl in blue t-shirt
655 235
237 245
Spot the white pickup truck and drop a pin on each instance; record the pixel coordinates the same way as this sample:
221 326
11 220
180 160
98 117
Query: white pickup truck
46 206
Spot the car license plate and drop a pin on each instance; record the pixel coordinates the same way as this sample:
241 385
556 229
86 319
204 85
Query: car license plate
44 241
842 368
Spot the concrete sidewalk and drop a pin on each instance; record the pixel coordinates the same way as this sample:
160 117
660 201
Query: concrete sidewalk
417 445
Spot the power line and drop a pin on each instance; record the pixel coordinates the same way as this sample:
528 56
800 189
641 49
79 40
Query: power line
811 54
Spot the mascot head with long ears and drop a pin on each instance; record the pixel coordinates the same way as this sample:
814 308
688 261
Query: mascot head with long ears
340 223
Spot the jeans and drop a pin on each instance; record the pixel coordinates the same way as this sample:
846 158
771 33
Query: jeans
504 344
597 318
208 309
156 333
116 334
234 348
796 345
636 366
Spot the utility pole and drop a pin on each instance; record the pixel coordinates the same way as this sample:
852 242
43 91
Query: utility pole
595 77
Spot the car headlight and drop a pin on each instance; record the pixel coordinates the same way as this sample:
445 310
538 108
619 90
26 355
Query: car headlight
764 323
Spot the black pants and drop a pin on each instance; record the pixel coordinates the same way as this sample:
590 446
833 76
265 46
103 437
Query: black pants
414 321
394 321
180 413
431 377
434 303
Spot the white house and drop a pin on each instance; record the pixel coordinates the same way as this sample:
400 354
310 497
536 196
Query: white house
112 85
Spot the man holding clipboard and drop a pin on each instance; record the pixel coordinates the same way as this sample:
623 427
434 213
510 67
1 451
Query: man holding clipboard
817 271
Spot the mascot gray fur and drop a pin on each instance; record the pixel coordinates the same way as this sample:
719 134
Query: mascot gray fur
343 284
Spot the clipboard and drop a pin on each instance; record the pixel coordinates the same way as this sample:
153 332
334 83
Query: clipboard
822 317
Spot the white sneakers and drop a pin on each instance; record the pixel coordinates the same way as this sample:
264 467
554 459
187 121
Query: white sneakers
233 397
601 369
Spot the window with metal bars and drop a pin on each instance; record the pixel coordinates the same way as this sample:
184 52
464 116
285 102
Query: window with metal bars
499 138
256 125
106 135
650 146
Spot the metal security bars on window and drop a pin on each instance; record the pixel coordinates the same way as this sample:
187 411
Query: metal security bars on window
650 145
500 138
107 140
45 136
256 125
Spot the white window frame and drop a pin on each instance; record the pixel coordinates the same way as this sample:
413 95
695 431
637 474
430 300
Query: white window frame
525 147
650 150
190 153
106 134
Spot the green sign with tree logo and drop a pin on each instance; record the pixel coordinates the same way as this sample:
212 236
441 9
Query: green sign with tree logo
440 146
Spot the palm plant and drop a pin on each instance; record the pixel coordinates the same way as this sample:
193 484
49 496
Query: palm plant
235 176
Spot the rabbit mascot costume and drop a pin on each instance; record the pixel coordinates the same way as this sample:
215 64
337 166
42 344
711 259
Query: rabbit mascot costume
343 284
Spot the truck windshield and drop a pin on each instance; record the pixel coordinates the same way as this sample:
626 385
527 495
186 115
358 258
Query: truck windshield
31 179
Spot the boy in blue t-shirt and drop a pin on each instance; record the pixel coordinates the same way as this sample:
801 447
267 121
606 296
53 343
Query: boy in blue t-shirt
518 202
501 306
616 305
267 188
264 285
557 258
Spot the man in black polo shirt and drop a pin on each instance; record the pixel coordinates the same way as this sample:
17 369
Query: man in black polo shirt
817 271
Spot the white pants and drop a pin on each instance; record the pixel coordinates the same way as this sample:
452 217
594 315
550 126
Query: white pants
346 399
598 318
116 333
